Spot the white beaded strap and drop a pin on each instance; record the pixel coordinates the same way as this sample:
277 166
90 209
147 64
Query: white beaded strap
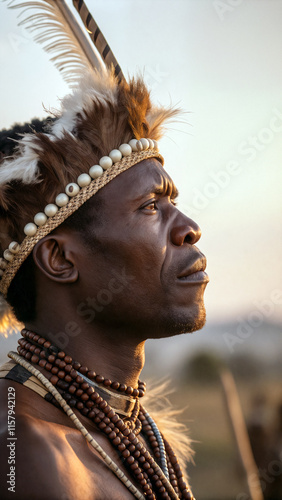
67 409
76 193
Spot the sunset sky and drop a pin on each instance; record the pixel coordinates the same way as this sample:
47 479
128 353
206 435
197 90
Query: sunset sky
222 64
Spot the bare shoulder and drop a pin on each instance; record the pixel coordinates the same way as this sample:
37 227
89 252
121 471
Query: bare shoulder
43 456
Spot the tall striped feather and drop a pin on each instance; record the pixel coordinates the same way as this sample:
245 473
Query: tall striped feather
57 30
97 37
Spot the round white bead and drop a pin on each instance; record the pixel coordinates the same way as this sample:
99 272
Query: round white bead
125 149
83 180
132 143
61 200
151 143
1 272
106 162
72 189
14 247
145 143
8 255
50 210
139 146
95 171
156 146
30 229
3 263
40 219
115 155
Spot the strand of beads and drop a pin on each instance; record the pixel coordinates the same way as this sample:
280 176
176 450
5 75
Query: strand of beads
62 373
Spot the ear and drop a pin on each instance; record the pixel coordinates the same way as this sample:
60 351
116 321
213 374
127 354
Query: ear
53 256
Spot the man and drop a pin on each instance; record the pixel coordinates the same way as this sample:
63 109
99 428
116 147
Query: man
107 261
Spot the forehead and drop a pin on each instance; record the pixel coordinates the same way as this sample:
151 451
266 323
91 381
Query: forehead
141 179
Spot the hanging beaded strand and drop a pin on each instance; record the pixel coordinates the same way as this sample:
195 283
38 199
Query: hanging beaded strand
63 373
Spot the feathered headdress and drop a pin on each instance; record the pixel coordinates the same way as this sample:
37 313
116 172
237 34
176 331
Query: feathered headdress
104 127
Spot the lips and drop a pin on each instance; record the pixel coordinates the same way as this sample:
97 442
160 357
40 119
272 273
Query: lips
195 273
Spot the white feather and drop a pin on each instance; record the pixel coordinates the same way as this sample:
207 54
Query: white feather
23 167
95 87
55 27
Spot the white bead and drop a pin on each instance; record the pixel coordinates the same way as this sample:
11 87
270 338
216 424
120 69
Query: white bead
30 229
95 171
72 189
50 210
83 180
3 263
8 255
139 146
156 146
145 143
132 143
61 200
40 219
106 162
125 149
151 143
14 247
115 155
1 272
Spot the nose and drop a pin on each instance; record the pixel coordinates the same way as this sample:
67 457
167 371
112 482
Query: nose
185 230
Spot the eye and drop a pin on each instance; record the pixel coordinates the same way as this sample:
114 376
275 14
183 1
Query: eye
151 206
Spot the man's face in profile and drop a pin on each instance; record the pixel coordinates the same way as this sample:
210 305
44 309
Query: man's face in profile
143 237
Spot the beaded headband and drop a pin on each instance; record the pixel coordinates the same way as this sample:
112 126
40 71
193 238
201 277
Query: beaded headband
67 203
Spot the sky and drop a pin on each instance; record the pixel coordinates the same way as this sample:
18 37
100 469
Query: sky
220 61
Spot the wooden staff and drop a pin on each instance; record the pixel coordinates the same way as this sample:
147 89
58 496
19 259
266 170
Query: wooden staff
240 432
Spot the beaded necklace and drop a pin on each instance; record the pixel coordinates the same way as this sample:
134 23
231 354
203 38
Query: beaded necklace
157 472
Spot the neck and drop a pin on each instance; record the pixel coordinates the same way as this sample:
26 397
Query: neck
109 352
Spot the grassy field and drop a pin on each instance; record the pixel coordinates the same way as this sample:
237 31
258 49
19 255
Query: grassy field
217 473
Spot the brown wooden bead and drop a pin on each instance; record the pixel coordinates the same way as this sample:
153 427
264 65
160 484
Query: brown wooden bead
51 358
116 440
54 370
102 425
91 374
107 382
42 363
80 405
73 374
72 389
61 374
122 387
41 341
34 359
47 344
79 392
32 348
89 404
68 359
91 414
130 460
135 393
76 365
68 379
79 379
121 447
28 355
83 370
61 354
84 397
126 453
48 367
54 379
99 379
68 368
115 385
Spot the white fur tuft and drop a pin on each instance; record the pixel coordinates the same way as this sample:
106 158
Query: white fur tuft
95 87
24 167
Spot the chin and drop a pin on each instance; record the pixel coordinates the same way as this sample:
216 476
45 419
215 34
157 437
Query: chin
184 322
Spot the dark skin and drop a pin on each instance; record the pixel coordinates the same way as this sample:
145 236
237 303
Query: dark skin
141 276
